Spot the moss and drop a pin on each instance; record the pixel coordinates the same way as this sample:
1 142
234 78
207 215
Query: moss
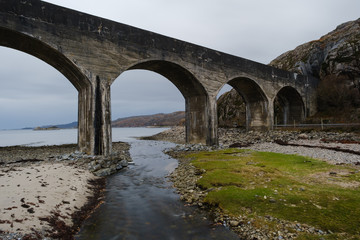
289 187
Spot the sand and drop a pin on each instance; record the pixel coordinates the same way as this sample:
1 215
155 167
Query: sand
34 192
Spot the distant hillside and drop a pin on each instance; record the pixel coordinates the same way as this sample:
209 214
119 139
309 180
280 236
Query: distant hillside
62 126
161 119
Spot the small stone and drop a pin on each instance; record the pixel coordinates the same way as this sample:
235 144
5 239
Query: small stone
103 172
234 223
124 163
31 210
119 167
303 136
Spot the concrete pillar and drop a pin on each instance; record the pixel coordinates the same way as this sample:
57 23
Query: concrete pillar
102 118
270 114
196 119
258 116
212 136
85 120
94 129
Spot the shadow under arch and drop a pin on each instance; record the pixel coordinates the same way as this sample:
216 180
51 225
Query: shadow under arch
37 48
257 114
288 106
196 98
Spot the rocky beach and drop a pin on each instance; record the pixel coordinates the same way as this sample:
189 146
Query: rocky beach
47 192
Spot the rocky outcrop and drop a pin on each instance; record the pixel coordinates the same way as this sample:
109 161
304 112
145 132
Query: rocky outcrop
335 60
231 110
336 53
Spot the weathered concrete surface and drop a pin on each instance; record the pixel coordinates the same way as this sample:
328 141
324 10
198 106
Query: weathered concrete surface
92 52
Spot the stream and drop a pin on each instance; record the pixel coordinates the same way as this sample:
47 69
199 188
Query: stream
140 203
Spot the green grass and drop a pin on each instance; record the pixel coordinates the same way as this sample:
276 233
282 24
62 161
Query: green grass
288 187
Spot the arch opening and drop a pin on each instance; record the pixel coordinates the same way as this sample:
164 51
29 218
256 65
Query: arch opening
257 114
35 47
33 94
49 55
196 98
231 108
289 107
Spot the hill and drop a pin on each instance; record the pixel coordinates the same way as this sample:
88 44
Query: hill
335 60
161 119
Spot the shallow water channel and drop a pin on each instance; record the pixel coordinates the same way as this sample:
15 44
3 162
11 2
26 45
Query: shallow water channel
141 204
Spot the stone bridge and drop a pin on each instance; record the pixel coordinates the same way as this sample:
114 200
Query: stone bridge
91 52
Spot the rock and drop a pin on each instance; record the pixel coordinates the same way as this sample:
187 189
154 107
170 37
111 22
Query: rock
119 166
104 172
124 163
303 136
271 200
96 167
234 223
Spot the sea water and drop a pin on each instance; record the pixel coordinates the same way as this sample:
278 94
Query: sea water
31 137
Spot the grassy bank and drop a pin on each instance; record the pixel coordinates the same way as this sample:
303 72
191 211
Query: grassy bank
288 187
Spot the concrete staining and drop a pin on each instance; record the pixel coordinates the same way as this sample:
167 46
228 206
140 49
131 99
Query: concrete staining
91 52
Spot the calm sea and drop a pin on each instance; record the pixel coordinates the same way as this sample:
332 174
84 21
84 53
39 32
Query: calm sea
66 136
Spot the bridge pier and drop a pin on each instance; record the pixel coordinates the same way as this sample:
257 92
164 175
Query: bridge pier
257 115
212 133
94 128
195 118
201 120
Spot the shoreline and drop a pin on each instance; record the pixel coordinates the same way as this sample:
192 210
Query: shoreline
47 192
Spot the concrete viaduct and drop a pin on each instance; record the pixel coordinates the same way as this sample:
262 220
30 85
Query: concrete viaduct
91 52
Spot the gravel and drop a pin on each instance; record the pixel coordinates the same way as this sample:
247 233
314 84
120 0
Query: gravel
265 141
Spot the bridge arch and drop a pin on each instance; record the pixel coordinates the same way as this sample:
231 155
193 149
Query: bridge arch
41 50
288 106
257 104
194 93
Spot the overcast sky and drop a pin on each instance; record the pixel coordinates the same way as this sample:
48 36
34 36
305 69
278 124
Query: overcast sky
33 94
